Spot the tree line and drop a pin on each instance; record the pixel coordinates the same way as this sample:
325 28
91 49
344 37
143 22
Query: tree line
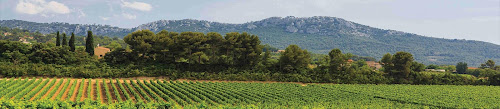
212 56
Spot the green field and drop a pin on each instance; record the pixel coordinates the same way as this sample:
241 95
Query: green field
125 93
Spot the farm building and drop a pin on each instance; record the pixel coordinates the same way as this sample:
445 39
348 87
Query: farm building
101 51
373 64
472 68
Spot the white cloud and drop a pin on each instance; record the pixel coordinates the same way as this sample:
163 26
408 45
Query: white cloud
129 16
104 18
137 6
41 7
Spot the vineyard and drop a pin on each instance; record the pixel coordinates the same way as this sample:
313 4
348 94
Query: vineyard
46 92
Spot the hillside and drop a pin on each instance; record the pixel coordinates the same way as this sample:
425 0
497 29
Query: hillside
78 29
317 34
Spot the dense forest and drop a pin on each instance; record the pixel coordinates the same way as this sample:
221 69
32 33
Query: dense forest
212 56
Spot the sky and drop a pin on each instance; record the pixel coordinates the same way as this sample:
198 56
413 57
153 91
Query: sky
451 19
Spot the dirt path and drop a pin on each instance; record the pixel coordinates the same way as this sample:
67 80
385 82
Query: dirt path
46 85
85 93
65 93
58 90
76 90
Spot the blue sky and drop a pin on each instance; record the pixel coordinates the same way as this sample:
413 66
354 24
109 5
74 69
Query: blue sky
453 19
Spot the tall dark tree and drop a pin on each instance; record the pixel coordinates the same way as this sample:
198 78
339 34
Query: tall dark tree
214 42
141 42
494 80
461 67
294 59
417 67
64 40
490 63
266 58
58 39
402 65
386 62
337 61
72 42
89 43
242 49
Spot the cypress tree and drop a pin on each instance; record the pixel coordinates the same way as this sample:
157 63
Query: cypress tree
58 39
89 44
64 40
72 42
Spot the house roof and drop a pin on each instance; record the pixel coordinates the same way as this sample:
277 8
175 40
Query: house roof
101 51
472 68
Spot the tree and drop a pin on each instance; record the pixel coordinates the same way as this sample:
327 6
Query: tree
64 40
119 56
294 59
451 68
490 63
214 42
89 43
58 39
337 61
163 46
386 62
494 80
114 45
432 66
15 57
72 42
141 42
402 65
461 67
266 57
243 49
417 67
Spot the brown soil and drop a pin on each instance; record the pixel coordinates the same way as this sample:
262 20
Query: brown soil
112 93
66 91
137 91
46 85
51 88
144 91
76 90
58 90
150 96
31 89
85 88
120 91
132 97
93 91
103 98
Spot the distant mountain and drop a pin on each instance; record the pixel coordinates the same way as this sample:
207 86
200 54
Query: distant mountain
317 34
78 29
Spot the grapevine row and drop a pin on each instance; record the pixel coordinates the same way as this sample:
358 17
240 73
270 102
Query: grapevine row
45 90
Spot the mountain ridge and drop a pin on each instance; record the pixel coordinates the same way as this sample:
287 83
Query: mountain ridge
318 34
